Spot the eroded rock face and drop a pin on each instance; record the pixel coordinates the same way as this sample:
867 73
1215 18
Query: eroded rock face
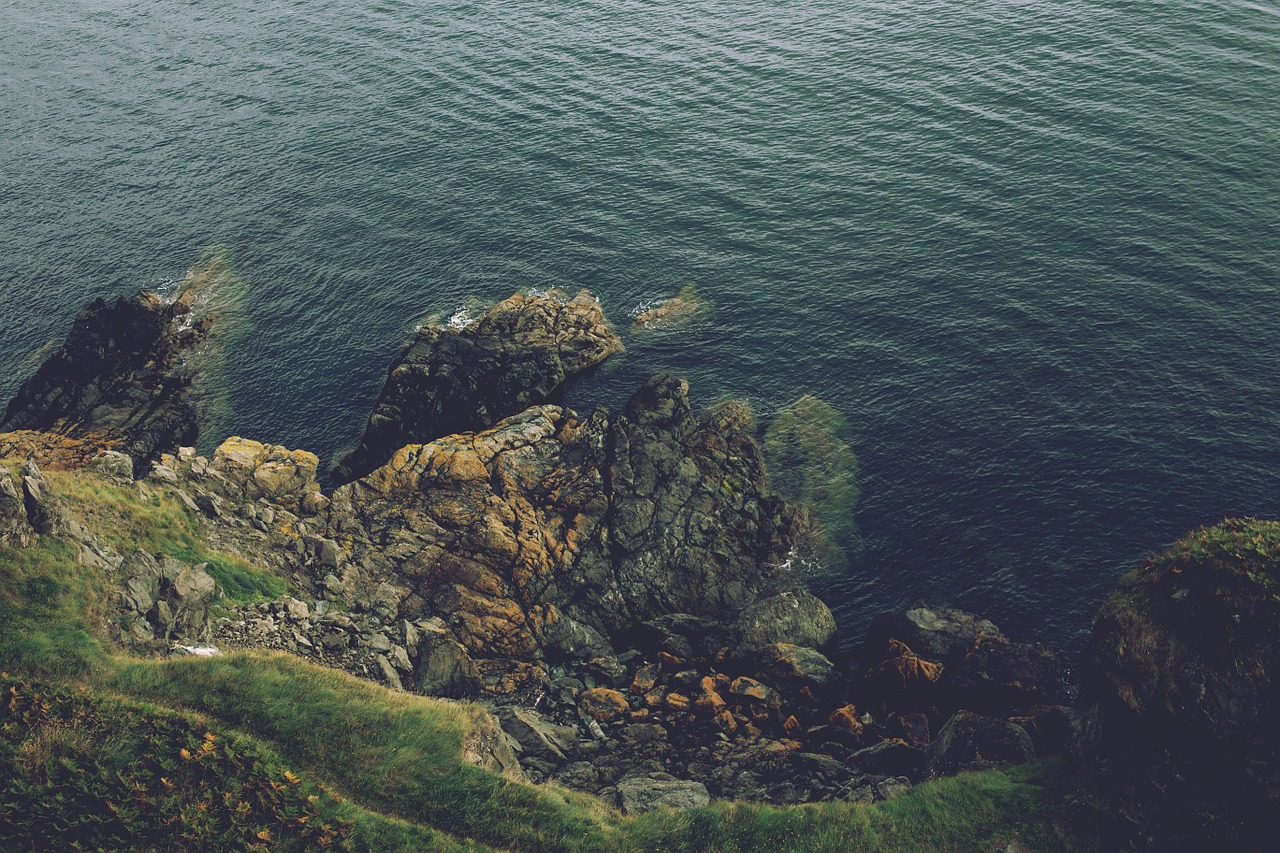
451 380
119 380
165 599
15 527
1180 691
551 533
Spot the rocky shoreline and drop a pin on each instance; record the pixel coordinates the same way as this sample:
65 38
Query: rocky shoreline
618 588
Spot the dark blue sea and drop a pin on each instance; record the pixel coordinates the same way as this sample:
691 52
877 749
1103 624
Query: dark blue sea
1028 249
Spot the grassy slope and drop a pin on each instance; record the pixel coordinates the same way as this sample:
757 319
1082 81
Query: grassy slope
397 757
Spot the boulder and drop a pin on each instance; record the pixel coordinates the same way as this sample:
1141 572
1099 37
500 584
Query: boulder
973 742
796 618
550 537
536 736
603 704
113 464
936 634
250 470
890 758
445 668
163 598
450 380
791 665
640 794
15 528
981 669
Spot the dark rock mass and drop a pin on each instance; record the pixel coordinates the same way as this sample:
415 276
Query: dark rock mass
552 536
452 380
1180 691
119 380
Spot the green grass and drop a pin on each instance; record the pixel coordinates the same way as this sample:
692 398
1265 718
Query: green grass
123 520
386 767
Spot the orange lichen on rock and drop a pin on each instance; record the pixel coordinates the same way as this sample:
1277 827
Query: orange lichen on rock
603 704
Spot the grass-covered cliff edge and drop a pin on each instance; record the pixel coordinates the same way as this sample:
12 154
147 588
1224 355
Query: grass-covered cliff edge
251 750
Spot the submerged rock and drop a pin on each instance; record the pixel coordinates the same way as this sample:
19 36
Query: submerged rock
681 309
453 380
812 464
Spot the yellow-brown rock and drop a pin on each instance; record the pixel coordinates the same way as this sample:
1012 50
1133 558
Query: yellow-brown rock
905 669
725 722
645 679
708 701
603 704
846 721
678 702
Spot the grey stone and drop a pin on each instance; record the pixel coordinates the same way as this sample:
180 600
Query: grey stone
973 742
389 673
798 618
537 736
640 794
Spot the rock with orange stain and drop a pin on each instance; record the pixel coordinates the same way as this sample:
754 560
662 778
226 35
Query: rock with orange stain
845 720
645 679
465 378
603 704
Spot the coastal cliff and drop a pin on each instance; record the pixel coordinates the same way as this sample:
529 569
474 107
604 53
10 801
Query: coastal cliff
620 589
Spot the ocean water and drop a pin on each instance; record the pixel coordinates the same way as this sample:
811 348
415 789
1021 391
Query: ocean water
1028 249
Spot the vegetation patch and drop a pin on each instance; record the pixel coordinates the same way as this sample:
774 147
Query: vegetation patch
807 446
122 518
1247 548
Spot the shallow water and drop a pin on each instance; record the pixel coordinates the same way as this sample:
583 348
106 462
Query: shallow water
1028 249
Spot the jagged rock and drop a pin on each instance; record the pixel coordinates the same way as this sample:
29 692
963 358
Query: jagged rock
166 599
445 669
120 378
388 671
797 617
797 666
113 464
43 513
537 736
998 674
641 794
566 638
15 528
981 669
683 634
486 745
1180 694
973 742
891 758
935 634
250 470
683 308
451 380
524 536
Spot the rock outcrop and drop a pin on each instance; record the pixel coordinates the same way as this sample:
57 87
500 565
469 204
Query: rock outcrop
119 382
552 536
1180 691
452 380
164 599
